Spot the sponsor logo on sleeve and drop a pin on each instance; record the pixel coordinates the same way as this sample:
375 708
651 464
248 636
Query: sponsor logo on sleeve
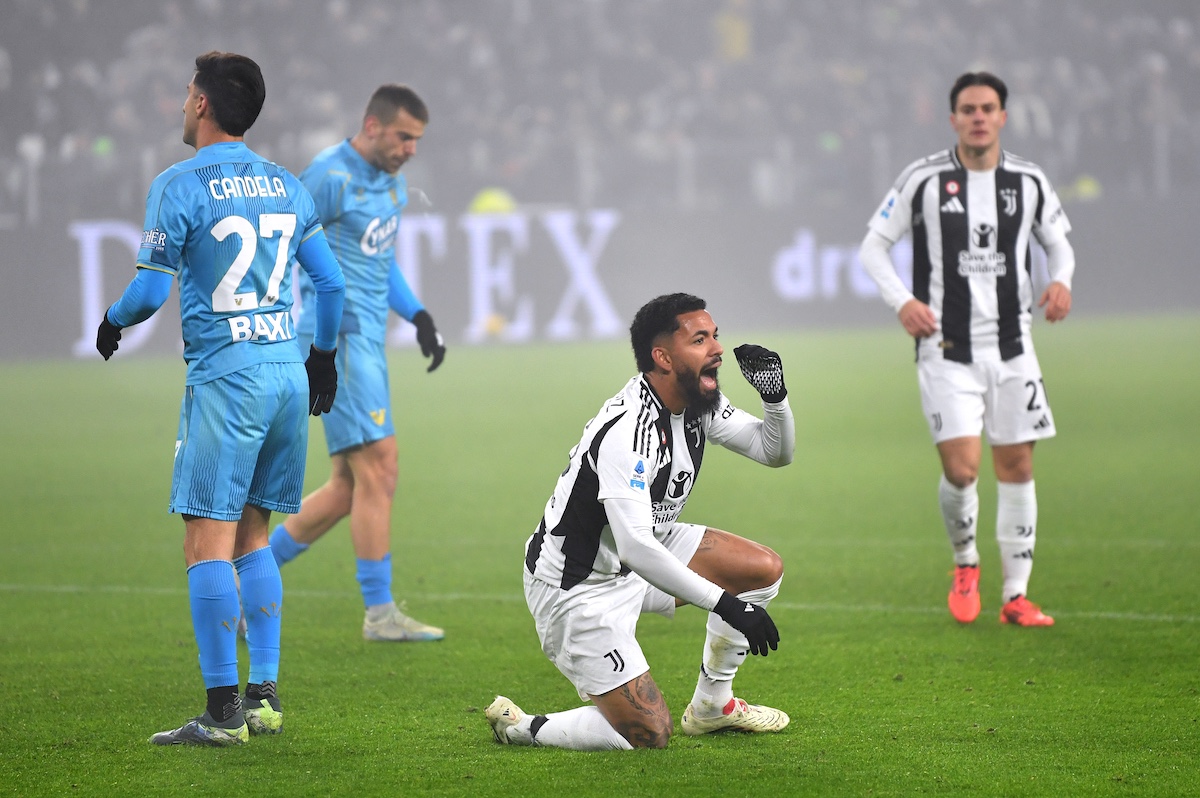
155 240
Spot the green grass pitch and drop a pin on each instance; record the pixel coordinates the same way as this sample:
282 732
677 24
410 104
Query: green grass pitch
888 696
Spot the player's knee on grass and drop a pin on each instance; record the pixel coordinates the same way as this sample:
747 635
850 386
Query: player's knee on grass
649 733
638 712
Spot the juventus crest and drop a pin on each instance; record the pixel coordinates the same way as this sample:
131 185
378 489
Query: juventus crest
1009 196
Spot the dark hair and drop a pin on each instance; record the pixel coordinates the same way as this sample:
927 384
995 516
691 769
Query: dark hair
390 98
659 316
977 79
234 87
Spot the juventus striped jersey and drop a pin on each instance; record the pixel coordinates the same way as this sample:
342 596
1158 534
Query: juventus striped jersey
635 449
971 236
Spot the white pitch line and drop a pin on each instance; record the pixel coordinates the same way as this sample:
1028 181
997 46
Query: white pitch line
506 598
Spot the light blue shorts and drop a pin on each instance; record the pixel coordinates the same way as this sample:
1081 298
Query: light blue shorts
243 439
362 409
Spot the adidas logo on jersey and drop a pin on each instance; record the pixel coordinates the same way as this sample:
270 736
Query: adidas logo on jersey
953 205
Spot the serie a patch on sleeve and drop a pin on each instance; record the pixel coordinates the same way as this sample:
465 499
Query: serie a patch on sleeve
638 478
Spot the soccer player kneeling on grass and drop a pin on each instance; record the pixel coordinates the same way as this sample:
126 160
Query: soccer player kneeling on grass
610 545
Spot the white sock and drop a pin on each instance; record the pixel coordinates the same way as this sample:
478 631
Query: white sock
725 648
960 514
1016 532
580 729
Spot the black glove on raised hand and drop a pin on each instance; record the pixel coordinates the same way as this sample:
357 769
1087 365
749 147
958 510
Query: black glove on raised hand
432 344
749 619
322 380
107 337
763 369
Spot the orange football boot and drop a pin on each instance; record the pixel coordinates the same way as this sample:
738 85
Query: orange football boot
964 593
1024 612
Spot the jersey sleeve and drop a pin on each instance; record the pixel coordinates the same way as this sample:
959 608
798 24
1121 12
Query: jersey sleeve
875 254
401 298
308 220
142 298
1051 225
622 472
328 188
640 550
317 260
770 440
166 226
893 218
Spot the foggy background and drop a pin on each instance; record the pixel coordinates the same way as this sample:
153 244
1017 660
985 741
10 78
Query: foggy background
583 156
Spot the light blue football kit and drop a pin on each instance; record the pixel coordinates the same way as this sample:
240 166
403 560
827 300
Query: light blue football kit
359 206
228 223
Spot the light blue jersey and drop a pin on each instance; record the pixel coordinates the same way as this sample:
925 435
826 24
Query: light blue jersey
228 223
359 207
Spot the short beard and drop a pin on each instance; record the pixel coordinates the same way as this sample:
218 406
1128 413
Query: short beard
697 400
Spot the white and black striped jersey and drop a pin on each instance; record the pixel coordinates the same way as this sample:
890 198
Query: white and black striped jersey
635 449
971 236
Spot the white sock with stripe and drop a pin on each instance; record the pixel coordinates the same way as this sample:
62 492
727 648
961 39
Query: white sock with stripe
960 514
580 729
1016 532
725 648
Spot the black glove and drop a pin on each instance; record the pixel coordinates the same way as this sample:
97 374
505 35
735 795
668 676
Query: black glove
763 369
432 344
749 619
107 337
322 380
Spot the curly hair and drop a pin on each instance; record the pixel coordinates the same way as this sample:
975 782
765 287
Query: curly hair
659 316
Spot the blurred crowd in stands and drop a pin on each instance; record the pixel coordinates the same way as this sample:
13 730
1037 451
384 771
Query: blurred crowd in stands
635 104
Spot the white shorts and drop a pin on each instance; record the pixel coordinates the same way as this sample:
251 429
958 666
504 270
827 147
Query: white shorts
589 631
1005 398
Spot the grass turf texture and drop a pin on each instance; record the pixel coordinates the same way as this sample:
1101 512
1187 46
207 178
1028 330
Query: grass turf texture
888 696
